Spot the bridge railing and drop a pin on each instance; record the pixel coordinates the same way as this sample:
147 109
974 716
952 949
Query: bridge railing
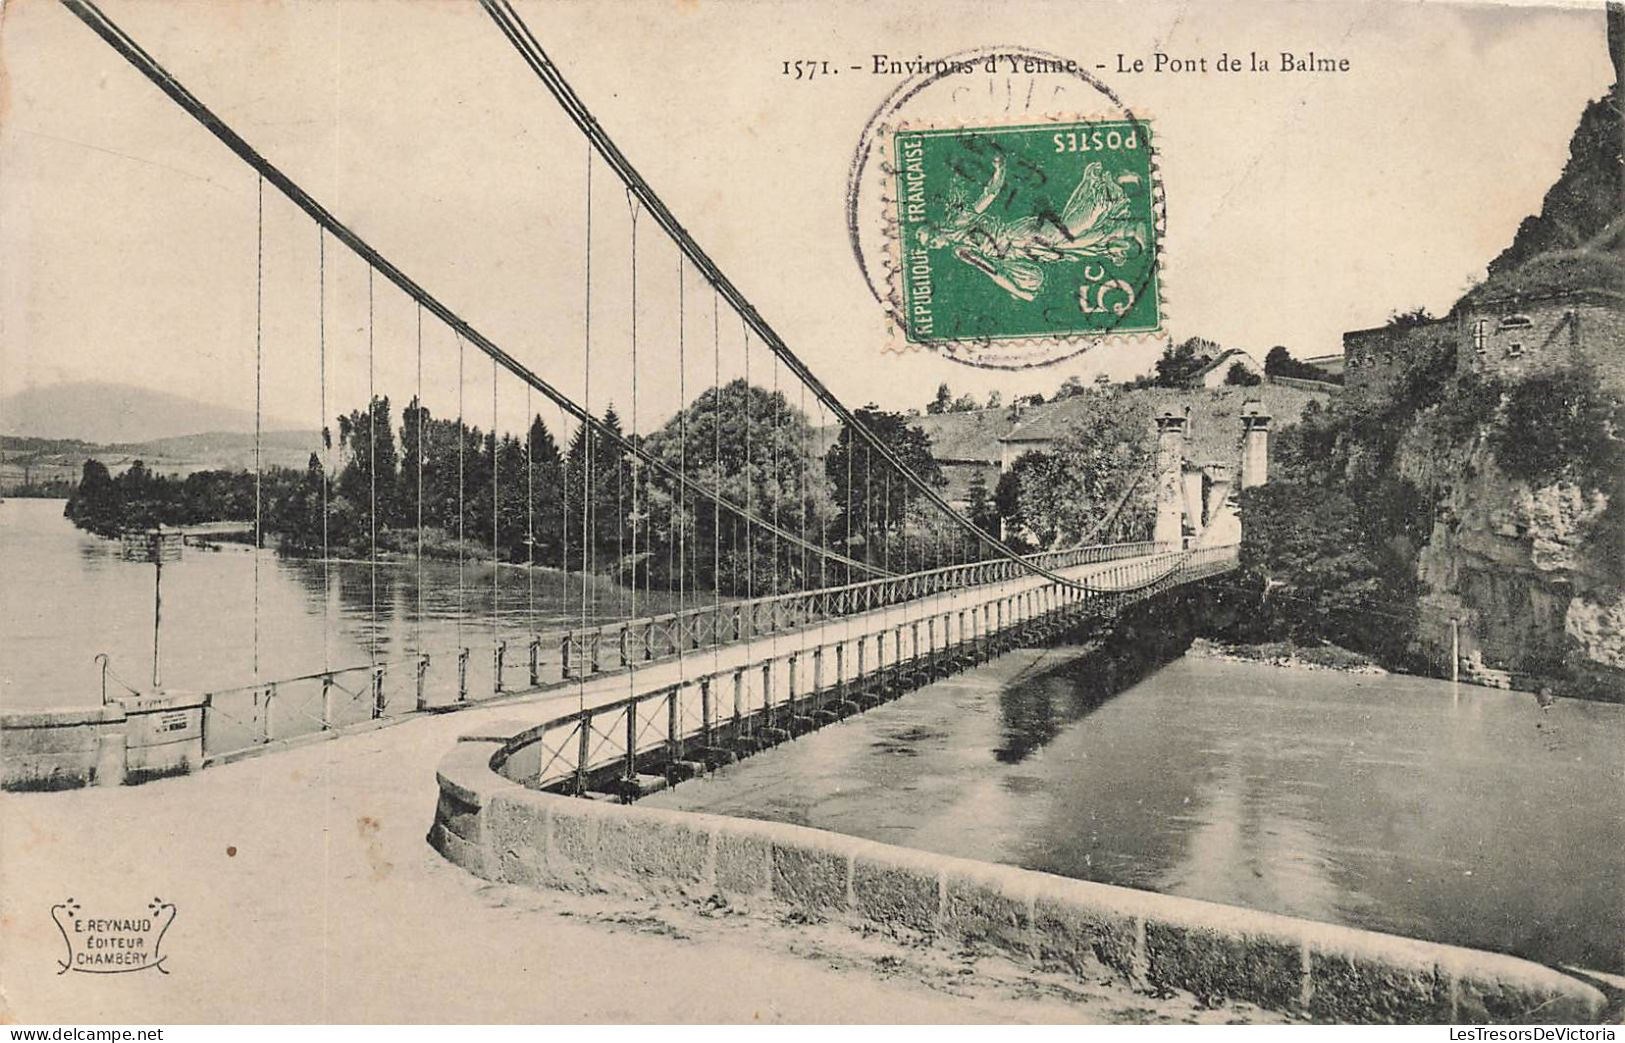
514 660
612 744
656 637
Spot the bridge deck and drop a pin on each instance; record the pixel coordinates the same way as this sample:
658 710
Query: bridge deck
681 703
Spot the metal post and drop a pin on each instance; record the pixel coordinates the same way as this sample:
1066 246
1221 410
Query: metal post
626 645
157 605
423 688
462 675
499 657
377 692
583 751
631 740
564 653
327 701
1455 649
270 694
535 662
739 702
705 710
674 733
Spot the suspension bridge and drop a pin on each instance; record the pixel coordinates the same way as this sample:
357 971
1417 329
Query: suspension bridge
763 559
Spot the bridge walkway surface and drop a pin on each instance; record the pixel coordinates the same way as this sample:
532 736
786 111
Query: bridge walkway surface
305 892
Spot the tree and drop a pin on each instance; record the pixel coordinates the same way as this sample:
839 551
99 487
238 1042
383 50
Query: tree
1241 376
1094 484
979 506
370 476
1417 316
1070 387
994 399
1579 424
1181 362
1280 363
871 501
94 505
598 495
546 481
758 450
943 402
295 515
1319 565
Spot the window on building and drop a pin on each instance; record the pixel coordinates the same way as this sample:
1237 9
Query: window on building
1514 349
1516 322
1481 335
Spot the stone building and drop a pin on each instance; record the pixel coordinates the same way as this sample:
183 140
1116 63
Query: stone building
1374 359
1216 372
1513 328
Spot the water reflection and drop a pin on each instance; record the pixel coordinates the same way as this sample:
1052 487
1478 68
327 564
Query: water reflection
1466 815
68 595
1034 712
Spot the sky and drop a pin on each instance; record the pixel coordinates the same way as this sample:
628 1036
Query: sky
139 250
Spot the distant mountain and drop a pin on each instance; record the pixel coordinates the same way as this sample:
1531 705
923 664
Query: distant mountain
118 414
31 460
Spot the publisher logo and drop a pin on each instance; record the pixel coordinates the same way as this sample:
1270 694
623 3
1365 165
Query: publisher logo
112 944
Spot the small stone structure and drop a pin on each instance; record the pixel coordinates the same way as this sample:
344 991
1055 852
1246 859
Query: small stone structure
126 740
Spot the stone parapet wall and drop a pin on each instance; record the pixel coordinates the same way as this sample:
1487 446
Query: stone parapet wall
502 831
126 740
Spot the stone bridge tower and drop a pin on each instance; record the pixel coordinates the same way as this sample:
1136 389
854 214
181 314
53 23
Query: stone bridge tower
1170 527
1255 444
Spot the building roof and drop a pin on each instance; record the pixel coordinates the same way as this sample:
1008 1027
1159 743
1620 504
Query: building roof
969 437
1214 431
1228 355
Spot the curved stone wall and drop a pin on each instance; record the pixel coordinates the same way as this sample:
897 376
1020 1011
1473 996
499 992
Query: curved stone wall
502 831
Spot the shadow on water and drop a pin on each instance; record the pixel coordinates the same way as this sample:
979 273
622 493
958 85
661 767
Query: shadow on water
1119 654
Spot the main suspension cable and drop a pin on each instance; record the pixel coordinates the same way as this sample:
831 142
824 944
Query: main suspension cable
120 41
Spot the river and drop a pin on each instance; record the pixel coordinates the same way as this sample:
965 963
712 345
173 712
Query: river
66 595
1458 814
1401 804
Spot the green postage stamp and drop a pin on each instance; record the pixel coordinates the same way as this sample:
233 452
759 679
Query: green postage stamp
1022 237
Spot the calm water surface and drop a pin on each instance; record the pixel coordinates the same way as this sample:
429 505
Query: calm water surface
66 595
1394 803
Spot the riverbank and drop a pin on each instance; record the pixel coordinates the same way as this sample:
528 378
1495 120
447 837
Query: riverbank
1287 654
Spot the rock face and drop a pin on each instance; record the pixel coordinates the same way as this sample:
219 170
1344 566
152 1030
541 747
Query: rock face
1532 573
1519 568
